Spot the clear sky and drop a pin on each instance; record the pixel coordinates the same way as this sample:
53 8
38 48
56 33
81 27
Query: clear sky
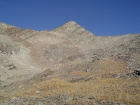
101 17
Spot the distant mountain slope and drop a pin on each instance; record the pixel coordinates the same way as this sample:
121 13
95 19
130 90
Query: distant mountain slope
67 43
69 52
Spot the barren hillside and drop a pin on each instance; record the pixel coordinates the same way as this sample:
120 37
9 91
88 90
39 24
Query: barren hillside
68 66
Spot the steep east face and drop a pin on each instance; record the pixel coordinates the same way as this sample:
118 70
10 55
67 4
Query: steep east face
69 53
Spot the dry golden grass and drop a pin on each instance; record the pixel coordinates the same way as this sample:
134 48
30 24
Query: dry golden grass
111 66
111 89
104 67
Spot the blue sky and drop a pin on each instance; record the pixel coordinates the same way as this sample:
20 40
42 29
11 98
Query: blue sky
101 17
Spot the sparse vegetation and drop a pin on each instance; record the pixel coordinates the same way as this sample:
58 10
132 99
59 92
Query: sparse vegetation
119 90
68 66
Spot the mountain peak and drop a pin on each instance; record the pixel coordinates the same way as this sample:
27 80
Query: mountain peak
68 27
71 22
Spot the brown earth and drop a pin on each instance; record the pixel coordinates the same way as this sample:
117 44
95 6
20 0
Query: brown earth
68 66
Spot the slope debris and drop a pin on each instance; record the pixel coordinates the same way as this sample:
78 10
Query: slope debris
68 66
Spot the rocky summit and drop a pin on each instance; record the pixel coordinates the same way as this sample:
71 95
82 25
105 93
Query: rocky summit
68 66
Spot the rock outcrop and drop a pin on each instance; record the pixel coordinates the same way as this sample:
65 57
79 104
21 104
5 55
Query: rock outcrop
70 53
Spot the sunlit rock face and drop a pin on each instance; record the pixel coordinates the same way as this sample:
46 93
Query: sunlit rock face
68 63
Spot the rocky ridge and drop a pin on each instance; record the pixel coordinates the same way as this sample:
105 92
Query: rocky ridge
69 53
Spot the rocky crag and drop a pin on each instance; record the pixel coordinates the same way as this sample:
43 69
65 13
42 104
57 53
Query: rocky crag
68 66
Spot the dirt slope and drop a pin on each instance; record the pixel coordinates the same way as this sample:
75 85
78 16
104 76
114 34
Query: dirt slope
68 65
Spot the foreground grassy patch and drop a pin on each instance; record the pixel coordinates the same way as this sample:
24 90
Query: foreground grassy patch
111 89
